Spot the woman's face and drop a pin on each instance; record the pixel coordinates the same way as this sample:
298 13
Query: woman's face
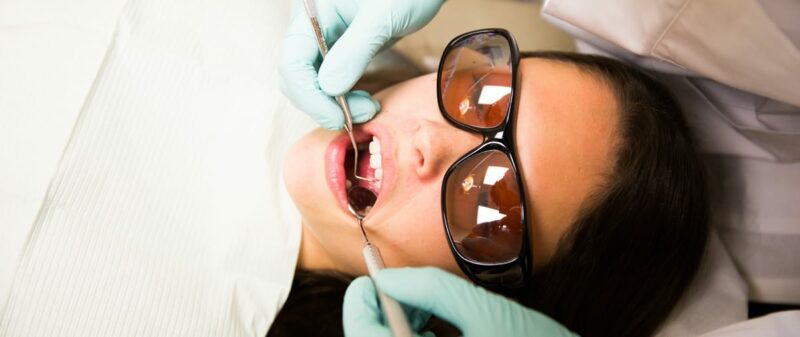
565 132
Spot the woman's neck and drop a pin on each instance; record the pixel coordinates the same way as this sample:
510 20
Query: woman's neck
312 255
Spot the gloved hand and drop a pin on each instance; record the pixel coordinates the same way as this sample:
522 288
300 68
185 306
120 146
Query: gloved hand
355 30
473 310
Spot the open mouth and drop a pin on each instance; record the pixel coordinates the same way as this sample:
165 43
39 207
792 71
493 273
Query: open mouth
369 169
375 165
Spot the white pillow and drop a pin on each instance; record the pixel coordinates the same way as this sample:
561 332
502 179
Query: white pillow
716 298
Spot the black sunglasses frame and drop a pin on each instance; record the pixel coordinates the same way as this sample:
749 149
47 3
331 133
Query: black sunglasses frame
515 274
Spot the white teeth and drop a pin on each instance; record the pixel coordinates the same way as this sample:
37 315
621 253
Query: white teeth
375 161
374 146
348 183
375 158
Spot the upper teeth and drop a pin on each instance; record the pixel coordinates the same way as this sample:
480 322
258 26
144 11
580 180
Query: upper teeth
375 158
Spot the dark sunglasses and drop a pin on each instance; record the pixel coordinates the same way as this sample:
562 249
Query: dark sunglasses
483 202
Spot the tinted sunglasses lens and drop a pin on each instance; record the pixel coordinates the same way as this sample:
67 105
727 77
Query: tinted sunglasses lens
483 208
475 82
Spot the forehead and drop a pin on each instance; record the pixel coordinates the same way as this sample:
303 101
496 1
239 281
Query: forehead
560 98
565 132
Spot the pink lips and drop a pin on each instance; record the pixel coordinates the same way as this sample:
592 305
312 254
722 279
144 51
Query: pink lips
335 156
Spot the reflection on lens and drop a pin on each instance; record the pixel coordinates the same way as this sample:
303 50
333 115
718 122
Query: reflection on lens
476 80
483 208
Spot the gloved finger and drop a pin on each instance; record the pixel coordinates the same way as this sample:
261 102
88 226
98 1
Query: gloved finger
327 113
299 81
438 292
349 57
362 106
417 318
361 314
299 55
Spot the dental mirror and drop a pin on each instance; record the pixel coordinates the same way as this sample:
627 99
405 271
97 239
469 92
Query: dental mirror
360 200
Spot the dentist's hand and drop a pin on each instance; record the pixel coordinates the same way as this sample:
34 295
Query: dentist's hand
355 30
473 310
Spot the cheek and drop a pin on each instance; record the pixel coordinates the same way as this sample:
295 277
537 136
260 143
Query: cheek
302 168
414 236
304 174
294 170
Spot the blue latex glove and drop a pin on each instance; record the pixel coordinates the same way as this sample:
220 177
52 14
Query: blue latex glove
473 310
355 30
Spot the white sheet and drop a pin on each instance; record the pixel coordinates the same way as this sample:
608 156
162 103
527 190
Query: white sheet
140 185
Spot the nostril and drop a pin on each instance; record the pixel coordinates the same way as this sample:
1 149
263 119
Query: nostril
420 159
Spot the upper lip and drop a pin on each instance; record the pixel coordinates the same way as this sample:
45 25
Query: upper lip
336 156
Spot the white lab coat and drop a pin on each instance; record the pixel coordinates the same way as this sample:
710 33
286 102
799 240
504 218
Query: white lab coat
141 144
734 65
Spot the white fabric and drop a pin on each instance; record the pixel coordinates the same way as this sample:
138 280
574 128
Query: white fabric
780 324
715 299
735 42
733 66
140 157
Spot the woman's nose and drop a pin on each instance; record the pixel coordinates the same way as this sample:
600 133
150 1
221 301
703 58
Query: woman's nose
438 145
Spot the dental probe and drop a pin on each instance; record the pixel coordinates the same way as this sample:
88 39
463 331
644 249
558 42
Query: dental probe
311 11
392 311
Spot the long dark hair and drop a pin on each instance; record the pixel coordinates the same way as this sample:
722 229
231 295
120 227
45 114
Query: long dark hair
638 240
314 305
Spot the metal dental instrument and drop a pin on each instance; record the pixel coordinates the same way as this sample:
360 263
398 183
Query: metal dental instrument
392 311
360 200
311 11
